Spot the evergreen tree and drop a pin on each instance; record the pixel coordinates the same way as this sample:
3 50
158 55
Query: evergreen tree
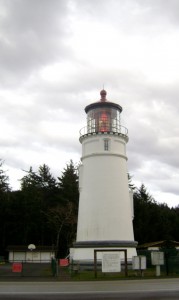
4 180
68 185
44 211
143 203
40 192
4 203
152 221
143 195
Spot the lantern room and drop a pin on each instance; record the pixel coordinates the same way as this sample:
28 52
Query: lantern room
103 116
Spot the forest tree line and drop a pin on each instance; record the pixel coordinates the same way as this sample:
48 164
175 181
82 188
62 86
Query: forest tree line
44 211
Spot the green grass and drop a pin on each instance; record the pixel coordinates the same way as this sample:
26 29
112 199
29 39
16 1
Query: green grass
67 274
147 274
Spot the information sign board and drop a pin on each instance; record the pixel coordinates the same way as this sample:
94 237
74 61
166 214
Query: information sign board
111 262
139 262
157 258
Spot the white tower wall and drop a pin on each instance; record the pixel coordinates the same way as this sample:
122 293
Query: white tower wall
104 194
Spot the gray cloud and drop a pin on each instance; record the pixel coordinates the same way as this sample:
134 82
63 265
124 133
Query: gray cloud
51 69
32 34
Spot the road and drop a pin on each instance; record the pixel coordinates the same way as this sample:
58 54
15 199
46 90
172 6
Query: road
123 289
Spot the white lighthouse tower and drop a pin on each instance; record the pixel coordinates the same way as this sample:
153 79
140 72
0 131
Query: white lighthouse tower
105 205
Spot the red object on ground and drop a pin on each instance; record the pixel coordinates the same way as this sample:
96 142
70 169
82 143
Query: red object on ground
63 262
17 267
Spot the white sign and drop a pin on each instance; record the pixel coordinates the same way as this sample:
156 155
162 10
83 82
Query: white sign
157 258
139 262
111 262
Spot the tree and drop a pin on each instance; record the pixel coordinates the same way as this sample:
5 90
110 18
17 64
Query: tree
68 184
60 217
69 193
4 199
40 192
44 211
41 179
4 180
152 221
145 210
143 195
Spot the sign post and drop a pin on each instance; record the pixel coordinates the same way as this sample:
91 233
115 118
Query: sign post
139 263
157 260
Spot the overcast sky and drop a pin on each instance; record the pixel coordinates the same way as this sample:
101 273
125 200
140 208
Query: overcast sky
55 57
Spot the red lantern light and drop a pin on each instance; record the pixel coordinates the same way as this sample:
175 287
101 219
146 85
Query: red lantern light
104 122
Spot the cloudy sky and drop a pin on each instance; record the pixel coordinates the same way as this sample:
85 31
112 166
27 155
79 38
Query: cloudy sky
55 57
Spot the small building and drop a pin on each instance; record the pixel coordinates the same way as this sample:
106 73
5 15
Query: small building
154 246
42 254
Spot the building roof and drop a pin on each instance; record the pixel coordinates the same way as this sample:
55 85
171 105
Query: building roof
164 243
19 248
103 103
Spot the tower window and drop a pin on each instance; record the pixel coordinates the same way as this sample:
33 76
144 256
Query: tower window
106 145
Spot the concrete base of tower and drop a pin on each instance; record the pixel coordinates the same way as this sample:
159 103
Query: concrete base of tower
83 252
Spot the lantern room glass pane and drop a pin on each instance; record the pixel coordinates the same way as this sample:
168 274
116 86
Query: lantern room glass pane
103 119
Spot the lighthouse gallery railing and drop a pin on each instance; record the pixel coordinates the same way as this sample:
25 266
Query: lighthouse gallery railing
119 130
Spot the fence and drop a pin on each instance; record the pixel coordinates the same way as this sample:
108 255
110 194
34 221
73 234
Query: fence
49 270
171 261
25 269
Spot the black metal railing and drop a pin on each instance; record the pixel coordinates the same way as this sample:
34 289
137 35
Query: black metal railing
88 130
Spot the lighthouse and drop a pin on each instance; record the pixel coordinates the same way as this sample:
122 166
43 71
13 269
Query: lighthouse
105 216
